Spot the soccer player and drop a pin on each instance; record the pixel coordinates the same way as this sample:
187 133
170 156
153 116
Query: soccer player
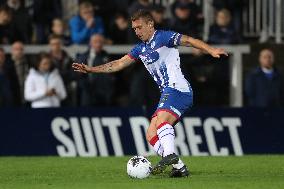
159 54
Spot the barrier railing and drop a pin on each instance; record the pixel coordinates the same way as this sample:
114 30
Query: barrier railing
236 52
264 18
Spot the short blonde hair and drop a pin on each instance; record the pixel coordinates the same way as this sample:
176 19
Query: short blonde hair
144 14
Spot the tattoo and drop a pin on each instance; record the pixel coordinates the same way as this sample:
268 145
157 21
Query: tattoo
108 67
113 66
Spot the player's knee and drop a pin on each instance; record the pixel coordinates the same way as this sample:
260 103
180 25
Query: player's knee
161 121
165 118
150 134
148 137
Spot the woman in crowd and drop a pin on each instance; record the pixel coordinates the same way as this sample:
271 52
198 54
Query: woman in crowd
44 86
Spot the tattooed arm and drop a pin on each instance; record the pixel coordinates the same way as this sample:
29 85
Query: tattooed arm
189 41
110 67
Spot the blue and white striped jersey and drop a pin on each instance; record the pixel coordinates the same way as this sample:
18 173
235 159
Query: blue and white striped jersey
161 58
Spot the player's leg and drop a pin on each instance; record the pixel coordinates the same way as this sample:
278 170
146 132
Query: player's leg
153 138
166 135
172 105
164 125
165 131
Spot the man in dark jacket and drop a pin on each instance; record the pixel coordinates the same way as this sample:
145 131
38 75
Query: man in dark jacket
9 85
5 85
265 86
62 61
21 64
95 89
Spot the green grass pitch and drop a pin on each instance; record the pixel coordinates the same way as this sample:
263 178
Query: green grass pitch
247 172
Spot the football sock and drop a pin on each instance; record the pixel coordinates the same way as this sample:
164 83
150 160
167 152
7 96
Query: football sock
157 145
166 135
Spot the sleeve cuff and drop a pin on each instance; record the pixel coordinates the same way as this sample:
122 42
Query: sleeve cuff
132 57
177 39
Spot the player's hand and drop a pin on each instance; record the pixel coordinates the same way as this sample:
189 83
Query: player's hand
82 68
217 52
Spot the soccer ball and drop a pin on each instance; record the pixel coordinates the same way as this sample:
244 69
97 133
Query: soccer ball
139 167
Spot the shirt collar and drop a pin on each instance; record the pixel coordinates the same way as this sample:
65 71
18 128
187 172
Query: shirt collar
151 37
267 71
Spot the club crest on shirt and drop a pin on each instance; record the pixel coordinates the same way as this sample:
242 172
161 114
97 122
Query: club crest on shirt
143 49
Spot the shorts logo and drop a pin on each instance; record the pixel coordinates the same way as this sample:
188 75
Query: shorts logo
165 98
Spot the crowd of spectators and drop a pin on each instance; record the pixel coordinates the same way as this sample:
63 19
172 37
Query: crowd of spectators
75 21
48 80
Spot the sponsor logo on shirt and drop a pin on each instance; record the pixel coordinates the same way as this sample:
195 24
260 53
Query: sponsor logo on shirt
150 58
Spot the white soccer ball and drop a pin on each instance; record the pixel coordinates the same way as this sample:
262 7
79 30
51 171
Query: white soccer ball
139 167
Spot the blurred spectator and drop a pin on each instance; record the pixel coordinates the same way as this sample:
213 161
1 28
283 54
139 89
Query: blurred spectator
119 30
209 77
44 12
5 86
96 89
104 8
63 62
223 32
44 87
5 25
265 85
157 12
11 74
58 28
21 22
139 4
22 65
194 8
186 20
235 7
69 9
84 25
